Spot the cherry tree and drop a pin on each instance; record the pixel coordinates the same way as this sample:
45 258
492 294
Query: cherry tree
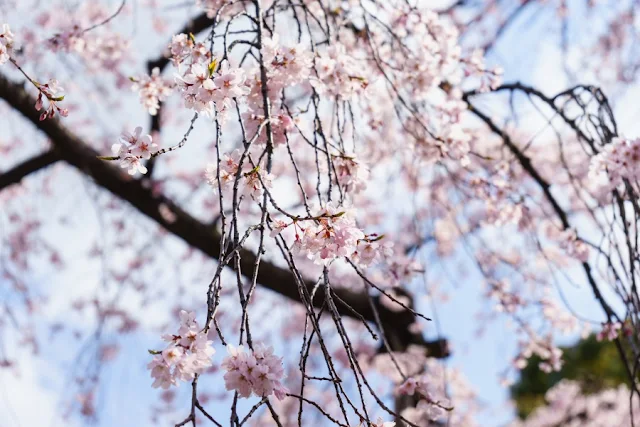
274 194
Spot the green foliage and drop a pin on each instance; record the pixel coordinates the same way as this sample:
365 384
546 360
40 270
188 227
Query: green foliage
595 365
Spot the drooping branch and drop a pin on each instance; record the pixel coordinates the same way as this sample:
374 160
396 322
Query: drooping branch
527 165
34 164
74 151
545 186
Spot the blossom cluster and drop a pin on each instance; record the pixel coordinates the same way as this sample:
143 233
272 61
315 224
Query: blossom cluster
282 125
370 251
573 246
257 372
132 149
352 175
428 67
187 353
559 318
287 65
507 300
6 43
50 90
152 90
432 404
252 180
340 74
79 32
611 330
550 354
331 235
490 79
205 87
568 405
568 241
213 7
402 268
619 161
435 54
99 51
437 389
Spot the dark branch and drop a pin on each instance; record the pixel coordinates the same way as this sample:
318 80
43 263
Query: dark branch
15 174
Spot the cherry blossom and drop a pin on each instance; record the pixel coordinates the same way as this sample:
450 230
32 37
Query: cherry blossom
257 372
152 90
507 300
575 247
100 50
207 91
617 162
212 7
568 405
550 354
610 331
351 174
253 180
334 235
133 149
340 75
6 44
181 48
277 227
229 84
282 126
288 65
187 354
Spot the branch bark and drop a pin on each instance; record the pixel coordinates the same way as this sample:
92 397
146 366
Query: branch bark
15 174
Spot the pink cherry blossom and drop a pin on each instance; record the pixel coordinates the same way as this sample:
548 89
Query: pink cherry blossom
259 372
6 43
152 90
610 331
132 149
187 354
333 235
288 65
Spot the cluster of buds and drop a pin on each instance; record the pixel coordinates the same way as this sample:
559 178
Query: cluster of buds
52 92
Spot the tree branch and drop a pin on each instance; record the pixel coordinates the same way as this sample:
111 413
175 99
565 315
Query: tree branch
15 174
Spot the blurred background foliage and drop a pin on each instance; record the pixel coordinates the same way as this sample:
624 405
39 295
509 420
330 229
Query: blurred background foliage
594 364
